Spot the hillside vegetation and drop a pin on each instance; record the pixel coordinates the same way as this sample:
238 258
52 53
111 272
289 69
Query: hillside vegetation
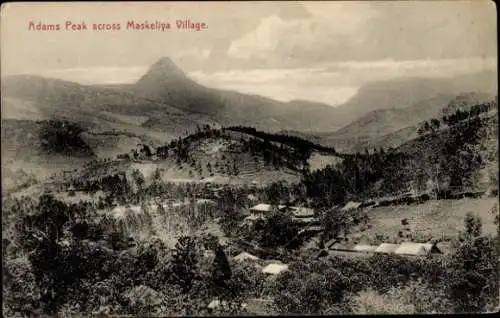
120 209
229 155
395 126
456 153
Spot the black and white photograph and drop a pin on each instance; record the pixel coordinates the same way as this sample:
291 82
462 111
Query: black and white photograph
249 158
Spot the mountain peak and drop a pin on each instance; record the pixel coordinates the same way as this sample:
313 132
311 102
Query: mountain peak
165 66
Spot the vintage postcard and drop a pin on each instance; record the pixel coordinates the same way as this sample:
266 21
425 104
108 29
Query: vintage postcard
249 158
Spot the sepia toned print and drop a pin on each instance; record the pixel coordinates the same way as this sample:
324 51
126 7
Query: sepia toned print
249 158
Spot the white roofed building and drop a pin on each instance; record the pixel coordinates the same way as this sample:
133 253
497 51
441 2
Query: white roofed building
206 201
387 248
263 209
410 248
244 256
351 205
300 212
364 248
275 268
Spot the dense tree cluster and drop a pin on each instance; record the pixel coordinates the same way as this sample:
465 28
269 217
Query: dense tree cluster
62 258
277 150
70 259
294 141
115 184
458 158
359 176
63 137
465 283
452 164
456 117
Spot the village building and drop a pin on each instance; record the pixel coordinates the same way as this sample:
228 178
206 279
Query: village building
300 212
311 229
275 268
365 248
305 220
244 256
263 209
351 205
339 246
206 201
405 248
259 306
252 218
410 248
386 248
330 243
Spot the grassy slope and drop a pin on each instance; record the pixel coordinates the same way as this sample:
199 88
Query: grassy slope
203 151
437 218
393 127
22 151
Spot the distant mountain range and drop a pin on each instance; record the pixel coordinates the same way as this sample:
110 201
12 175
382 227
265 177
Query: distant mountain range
392 127
165 103
164 82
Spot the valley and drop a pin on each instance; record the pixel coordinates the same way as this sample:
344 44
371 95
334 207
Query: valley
168 188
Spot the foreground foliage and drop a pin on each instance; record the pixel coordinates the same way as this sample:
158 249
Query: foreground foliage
63 259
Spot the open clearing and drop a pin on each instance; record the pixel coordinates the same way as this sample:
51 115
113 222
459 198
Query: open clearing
437 217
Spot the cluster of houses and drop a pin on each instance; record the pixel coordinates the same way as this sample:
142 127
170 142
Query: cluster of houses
308 218
405 248
262 210
303 214
271 267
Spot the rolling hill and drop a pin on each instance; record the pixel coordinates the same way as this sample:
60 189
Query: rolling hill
221 156
96 107
392 127
166 83
165 104
112 119
165 99
408 92
478 154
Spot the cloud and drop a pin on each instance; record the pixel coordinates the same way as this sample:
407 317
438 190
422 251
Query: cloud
364 71
193 53
335 82
263 40
277 35
98 75
119 74
367 31
329 82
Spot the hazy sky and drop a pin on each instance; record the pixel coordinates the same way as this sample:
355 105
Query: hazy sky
321 51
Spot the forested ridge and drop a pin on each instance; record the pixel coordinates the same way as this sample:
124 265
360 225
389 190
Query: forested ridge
138 248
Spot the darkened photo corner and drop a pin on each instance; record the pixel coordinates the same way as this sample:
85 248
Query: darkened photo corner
165 159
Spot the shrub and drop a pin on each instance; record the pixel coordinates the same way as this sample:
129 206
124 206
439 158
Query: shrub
278 230
21 292
473 225
184 261
370 302
309 288
413 298
472 276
